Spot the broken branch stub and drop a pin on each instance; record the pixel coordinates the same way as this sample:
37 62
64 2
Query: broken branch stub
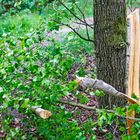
106 88
41 112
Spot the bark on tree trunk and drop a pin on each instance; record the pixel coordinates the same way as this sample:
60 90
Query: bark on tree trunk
110 46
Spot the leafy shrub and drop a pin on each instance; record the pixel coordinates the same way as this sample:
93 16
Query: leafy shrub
20 23
18 5
35 75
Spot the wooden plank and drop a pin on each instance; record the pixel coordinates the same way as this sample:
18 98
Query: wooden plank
131 68
134 63
136 54
138 39
131 60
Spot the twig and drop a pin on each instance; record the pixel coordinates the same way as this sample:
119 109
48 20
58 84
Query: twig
74 14
83 19
86 39
82 23
74 30
79 105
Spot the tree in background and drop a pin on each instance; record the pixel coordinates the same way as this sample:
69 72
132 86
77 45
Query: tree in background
110 30
110 46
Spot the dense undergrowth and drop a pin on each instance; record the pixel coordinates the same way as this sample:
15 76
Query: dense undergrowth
38 68
36 74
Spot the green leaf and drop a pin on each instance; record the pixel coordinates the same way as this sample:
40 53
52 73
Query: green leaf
82 98
25 103
1 89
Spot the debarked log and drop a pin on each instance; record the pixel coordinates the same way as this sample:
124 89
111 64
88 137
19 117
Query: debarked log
106 88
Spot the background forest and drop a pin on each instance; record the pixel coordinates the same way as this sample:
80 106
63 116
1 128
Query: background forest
43 48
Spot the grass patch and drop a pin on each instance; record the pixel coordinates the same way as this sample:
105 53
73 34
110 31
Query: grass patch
20 23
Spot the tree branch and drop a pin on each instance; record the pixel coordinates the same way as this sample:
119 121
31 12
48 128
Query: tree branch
86 39
74 30
74 14
84 20
80 23
79 105
96 109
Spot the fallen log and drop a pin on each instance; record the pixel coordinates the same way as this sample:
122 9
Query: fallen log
45 114
106 88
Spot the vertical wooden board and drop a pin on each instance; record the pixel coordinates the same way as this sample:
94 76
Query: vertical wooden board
138 42
131 67
131 60
134 62
136 54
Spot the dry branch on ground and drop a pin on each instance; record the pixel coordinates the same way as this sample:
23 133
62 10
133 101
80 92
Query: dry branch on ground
106 88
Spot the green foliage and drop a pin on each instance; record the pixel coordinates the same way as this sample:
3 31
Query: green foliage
133 3
12 7
34 75
33 72
19 24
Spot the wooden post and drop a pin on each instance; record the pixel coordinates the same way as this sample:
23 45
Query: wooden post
134 61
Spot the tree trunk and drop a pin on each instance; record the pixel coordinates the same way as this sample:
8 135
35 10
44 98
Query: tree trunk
110 46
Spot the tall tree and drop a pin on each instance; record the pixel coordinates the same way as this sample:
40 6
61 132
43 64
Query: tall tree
110 46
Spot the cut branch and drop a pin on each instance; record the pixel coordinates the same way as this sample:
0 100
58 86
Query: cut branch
41 112
106 88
